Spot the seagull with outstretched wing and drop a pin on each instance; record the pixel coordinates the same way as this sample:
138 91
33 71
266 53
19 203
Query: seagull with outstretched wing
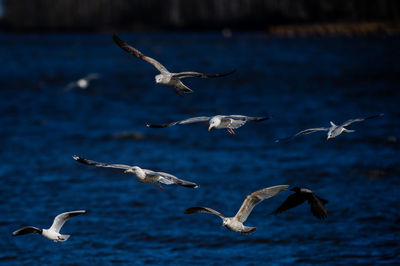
333 131
165 77
142 175
82 83
228 122
235 223
53 233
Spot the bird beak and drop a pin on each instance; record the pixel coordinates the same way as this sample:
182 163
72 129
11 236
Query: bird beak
327 138
210 127
126 171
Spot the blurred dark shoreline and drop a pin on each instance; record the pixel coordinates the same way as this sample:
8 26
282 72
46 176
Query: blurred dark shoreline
284 18
296 30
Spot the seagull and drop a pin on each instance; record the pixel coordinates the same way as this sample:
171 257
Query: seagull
334 130
165 77
317 204
235 223
142 175
230 122
82 83
53 233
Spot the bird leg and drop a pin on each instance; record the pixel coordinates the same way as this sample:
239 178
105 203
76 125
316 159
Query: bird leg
178 92
230 130
159 186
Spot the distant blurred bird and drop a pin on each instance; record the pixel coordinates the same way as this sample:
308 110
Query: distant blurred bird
82 83
230 122
235 223
165 77
333 131
317 204
53 233
142 175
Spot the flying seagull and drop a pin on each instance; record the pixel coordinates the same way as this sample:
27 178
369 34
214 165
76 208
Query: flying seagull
165 77
230 122
142 175
53 233
82 83
317 204
334 130
235 223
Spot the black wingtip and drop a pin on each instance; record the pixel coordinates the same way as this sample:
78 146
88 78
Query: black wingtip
80 159
154 126
117 40
228 73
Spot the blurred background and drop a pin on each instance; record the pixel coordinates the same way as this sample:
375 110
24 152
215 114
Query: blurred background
303 62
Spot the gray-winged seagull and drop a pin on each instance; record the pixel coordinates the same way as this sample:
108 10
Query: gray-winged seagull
142 175
333 131
230 122
235 223
53 233
82 83
165 77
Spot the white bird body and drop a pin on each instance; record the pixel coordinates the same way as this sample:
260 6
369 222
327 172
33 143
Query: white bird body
228 122
82 83
165 77
235 223
53 233
334 130
142 175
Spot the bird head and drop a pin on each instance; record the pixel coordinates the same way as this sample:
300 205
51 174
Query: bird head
214 122
224 222
159 78
330 135
132 170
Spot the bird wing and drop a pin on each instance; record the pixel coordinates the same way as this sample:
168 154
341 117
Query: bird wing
62 218
292 201
233 122
351 121
176 180
304 132
70 86
188 74
203 209
92 76
256 197
185 121
138 54
317 206
236 121
99 164
27 230
250 118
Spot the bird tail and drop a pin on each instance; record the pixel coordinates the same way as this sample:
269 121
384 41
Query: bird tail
348 130
65 237
249 230
183 88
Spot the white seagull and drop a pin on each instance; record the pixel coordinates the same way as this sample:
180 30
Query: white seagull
142 175
53 233
230 122
235 223
82 83
333 131
165 77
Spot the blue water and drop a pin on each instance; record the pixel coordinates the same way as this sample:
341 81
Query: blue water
302 82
